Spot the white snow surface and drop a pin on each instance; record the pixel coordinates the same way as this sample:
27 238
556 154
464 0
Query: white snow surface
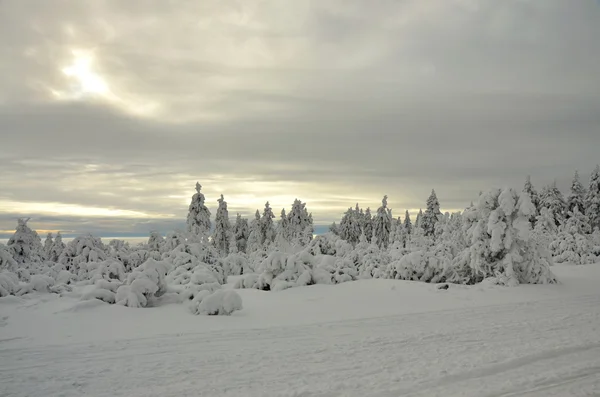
379 338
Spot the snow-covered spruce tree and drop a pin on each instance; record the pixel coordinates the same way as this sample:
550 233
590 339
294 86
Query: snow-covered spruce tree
334 229
82 249
545 230
349 228
267 229
533 194
573 244
155 241
57 248
198 219
299 221
382 224
592 199
241 232
48 246
25 245
368 225
501 243
407 223
283 226
431 215
576 197
254 238
419 220
553 199
222 233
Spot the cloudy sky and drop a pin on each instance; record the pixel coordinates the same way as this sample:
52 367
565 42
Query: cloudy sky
110 111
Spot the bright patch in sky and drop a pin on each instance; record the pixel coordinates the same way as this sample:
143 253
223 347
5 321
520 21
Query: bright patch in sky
73 210
89 82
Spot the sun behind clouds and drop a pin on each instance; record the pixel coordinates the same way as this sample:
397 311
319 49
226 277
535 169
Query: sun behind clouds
86 82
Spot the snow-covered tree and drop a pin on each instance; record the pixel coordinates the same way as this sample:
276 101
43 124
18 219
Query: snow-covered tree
592 199
573 244
576 197
552 198
382 225
222 233
501 245
48 245
349 228
545 229
419 220
299 220
155 241
533 194
7 263
368 225
431 215
407 223
267 228
334 229
81 250
283 226
25 245
57 248
198 219
241 233
254 238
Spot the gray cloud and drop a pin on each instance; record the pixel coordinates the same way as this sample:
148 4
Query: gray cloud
332 103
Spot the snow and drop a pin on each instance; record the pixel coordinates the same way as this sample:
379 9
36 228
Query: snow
375 337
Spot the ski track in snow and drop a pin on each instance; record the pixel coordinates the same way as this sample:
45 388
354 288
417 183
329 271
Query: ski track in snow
549 347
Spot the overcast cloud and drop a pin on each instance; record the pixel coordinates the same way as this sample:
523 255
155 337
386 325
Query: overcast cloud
111 110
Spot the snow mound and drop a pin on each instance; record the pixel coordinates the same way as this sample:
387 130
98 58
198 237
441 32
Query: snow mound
39 283
220 302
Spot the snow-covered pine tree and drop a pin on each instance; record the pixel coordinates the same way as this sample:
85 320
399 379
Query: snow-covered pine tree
419 220
500 240
576 197
25 245
254 238
533 194
334 228
57 248
299 221
48 246
241 233
592 199
156 241
349 227
553 199
382 225
431 215
267 229
573 244
545 230
407 223
368 225
198 219
283 226
222 233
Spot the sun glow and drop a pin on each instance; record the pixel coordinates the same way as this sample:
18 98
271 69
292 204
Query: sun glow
85 81
81 71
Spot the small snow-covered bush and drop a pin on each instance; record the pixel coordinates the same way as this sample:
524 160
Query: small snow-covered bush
105 290
38 283
332 270
109 269
220 302
146 282
9 283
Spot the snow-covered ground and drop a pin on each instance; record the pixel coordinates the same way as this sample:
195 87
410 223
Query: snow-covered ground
368 338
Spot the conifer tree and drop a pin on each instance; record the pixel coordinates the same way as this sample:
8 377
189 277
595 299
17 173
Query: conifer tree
553 199
431 215
349 227
267 229
198 219
407 223
592 199
576 197
533 194
368 225
222 234
241 233
382 225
